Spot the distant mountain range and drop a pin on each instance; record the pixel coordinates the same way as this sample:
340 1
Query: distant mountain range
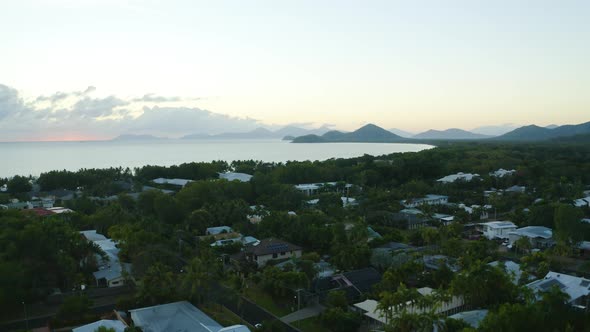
402 133
263 133
368 133
453 133
375 134
536 133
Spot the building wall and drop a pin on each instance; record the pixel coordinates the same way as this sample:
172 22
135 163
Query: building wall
492 233
263 260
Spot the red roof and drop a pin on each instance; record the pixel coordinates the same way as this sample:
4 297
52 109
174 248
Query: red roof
41 212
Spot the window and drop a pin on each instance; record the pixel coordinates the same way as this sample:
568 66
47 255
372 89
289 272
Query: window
274 255
283 253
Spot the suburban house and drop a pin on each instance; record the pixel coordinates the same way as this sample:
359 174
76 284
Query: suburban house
511 268
497 229
376 318
471 317
516 189
354 283
313 188
411 218
111 272
539 236
231 176
575 287
458 177
427 200
173 182
178 316
483 210
435 262
218 230
243 240
444 219
581 202
502 173
392 254
271 249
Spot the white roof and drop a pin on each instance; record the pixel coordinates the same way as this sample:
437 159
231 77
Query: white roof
314 186
534 232
502 172
231 176
175 182
499 224
370 306
511 268
582 201
219 230
473 317
458 176
178 317
575 287
59 209
92 235
117 325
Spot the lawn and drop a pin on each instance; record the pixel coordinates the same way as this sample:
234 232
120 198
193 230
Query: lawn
265 300
310 325
223 315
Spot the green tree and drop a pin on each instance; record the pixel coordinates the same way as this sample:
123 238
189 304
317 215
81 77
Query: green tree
19 184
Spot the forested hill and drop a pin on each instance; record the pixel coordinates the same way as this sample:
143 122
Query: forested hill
536 133
367 134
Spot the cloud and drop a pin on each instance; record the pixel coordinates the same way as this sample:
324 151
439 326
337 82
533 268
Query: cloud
10 102
150 97
85 115
60 96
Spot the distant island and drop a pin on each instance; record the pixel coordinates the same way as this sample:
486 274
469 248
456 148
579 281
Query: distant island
132 137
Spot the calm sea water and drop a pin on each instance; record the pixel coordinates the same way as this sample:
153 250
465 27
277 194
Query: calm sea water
37 157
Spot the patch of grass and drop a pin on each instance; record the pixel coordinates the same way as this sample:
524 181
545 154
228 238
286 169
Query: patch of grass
222 315
310 325
265 300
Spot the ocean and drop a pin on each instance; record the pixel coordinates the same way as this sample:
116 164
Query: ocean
33 158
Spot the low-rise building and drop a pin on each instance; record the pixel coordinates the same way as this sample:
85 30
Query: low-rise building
458 177
313 188
233 176
581 202
218 230
511 268
472 317
178 316
427 200
377 318
111 272
271 249
173 182
576 288
539 236
497 229
500 173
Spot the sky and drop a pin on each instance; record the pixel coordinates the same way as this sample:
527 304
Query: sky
93 69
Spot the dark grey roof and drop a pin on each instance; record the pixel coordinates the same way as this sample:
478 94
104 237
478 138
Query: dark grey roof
272 246
363 279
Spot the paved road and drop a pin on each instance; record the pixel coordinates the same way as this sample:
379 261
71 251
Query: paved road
304 313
